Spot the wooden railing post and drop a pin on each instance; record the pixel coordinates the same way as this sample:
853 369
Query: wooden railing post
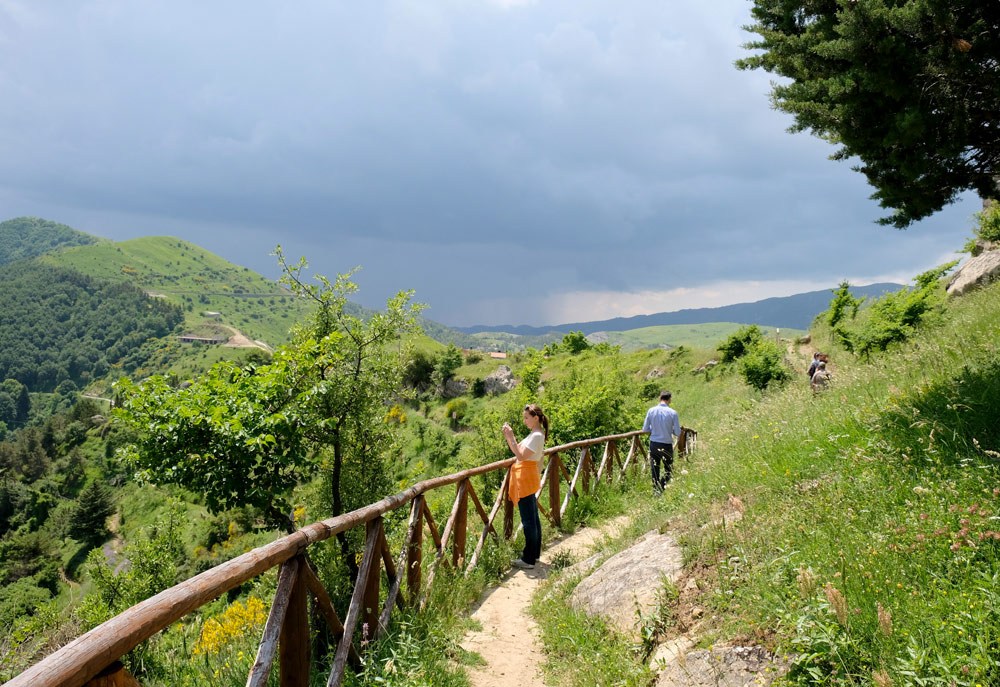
508 512
294 640
370 611
555 475
585 469
415 551
461 523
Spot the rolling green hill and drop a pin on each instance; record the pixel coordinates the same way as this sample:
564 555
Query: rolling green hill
674 335
197 280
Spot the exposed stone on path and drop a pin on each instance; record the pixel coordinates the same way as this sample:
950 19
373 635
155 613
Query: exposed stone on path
630 580
724 666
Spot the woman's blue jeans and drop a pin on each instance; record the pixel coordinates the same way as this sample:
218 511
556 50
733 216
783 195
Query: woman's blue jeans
528 507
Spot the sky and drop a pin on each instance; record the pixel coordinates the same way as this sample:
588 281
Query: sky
511 161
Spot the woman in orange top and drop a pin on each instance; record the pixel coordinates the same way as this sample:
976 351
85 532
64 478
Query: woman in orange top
525 480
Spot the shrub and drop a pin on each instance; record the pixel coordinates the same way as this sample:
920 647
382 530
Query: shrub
739 343
762 366
894 317
456 408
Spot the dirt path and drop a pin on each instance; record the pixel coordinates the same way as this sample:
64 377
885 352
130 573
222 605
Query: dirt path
239 339
509 641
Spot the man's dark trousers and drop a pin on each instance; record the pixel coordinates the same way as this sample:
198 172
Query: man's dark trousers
660 453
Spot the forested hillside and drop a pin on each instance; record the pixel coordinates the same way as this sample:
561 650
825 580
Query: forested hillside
59 326
28 237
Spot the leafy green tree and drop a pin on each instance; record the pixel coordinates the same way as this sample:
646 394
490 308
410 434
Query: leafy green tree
910 87
449 360
575 342
842 302
233 436
93 508
739 343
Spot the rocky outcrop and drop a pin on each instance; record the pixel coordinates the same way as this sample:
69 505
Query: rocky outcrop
725 666
975 272
707 366
980 246
454 388
500 382
654 373
627 583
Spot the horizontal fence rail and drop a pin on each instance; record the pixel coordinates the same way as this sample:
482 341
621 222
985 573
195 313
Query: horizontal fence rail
94 658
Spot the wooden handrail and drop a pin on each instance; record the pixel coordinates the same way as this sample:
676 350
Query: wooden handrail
85 657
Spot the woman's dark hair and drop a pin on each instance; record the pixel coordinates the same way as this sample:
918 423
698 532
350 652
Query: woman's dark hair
534 409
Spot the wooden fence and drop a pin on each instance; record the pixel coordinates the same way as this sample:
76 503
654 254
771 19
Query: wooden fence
93 659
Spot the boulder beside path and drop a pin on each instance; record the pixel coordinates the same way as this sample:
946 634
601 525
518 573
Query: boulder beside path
627 584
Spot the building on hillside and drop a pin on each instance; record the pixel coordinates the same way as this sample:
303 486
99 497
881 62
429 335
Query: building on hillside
498 355
191 338
212 314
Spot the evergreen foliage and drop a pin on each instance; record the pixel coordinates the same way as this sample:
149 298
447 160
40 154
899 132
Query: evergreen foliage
58 326
28 237
911 87
93 508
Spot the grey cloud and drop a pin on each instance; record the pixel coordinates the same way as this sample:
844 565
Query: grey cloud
609 143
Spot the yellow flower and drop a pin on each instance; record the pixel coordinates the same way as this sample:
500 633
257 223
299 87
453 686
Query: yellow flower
235 622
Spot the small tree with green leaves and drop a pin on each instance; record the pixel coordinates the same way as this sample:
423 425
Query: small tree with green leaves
739 343
761 366
449 360
575 342
842 303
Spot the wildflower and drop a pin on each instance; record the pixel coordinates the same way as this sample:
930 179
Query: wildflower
837 602
884 620
807 582
881 678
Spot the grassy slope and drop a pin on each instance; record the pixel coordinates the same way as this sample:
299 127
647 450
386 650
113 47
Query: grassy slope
674 335
884 488
194 278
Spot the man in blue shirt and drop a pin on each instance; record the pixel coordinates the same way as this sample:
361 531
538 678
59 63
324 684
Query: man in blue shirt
663 424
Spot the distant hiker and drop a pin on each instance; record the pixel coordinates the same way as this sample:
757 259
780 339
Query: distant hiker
813 365
663 424
526 480
820 379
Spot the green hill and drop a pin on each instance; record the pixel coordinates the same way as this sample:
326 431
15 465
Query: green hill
197 280
674 335
29 237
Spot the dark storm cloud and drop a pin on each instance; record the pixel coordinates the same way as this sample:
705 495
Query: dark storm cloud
492 155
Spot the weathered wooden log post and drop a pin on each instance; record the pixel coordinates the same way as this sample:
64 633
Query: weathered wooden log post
508 512
370 610
585 470
461 524
414 551
294 640
555 475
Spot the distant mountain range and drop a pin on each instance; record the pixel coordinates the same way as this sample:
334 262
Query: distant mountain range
792 312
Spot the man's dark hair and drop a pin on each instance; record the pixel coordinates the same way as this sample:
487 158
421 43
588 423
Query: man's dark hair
665 395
